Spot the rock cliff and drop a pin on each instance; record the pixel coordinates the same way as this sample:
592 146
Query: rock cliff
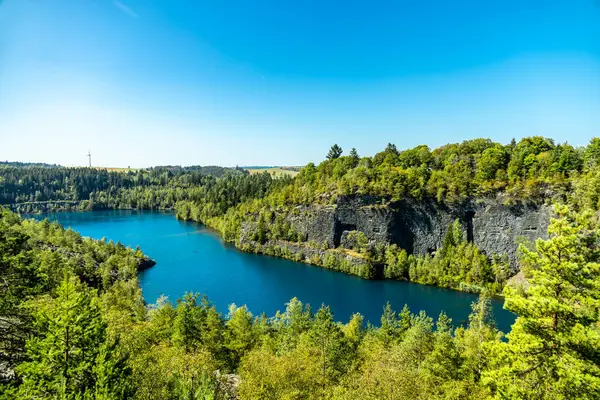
420 226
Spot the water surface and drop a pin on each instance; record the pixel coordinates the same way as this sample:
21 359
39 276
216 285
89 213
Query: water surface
190 257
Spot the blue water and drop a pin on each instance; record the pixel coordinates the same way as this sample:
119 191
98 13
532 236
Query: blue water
191 257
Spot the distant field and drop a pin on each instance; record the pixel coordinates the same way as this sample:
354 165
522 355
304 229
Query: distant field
110 169
274 171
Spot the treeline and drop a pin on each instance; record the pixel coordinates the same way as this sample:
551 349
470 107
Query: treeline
26 164
74 325
58 189
213 170
19 185
533 169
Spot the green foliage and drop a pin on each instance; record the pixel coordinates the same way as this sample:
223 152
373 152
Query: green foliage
354 158
458 264
92 338
74 324
240 335
334 152
553 349
69 354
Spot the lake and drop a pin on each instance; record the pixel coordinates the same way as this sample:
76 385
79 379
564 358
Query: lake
192 258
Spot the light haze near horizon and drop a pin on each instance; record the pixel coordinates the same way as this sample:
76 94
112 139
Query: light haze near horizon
144 83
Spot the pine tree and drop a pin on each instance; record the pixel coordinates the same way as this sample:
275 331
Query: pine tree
196 323
389 324
68 355
333 350
444 360
553 349
113 376
334 152
188 322
474 341
239 335
354 158
353 330
391 148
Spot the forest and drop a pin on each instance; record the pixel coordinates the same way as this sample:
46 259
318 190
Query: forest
74 325
254 211
535 169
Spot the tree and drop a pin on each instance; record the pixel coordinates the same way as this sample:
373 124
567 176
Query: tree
70 356
334 152
444 360
197 323
592 153
239 335
391 148
353 330
389 324
332 347
492 159
19 278
474 340
553 349
354 158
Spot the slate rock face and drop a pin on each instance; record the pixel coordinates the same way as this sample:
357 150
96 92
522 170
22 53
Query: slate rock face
421 226
497 229
315 223
364 214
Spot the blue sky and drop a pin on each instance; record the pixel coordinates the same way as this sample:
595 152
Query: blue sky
143 82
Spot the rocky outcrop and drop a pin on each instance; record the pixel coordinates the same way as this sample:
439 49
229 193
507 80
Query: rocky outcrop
335 259
145 263
329 224
421 226
498 229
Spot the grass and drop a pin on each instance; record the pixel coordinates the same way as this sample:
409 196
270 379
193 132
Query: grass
110 169
274 171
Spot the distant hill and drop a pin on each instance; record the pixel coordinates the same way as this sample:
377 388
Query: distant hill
258 166
213 170
27 164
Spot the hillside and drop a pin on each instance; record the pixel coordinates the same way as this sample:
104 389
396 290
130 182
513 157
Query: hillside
389 216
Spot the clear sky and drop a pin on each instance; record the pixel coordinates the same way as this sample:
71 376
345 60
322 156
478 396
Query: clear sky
147 82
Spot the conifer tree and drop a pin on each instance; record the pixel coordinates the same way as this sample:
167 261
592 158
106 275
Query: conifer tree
68 356
475 340
334 152
354 158
239 335
553 349
333 350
